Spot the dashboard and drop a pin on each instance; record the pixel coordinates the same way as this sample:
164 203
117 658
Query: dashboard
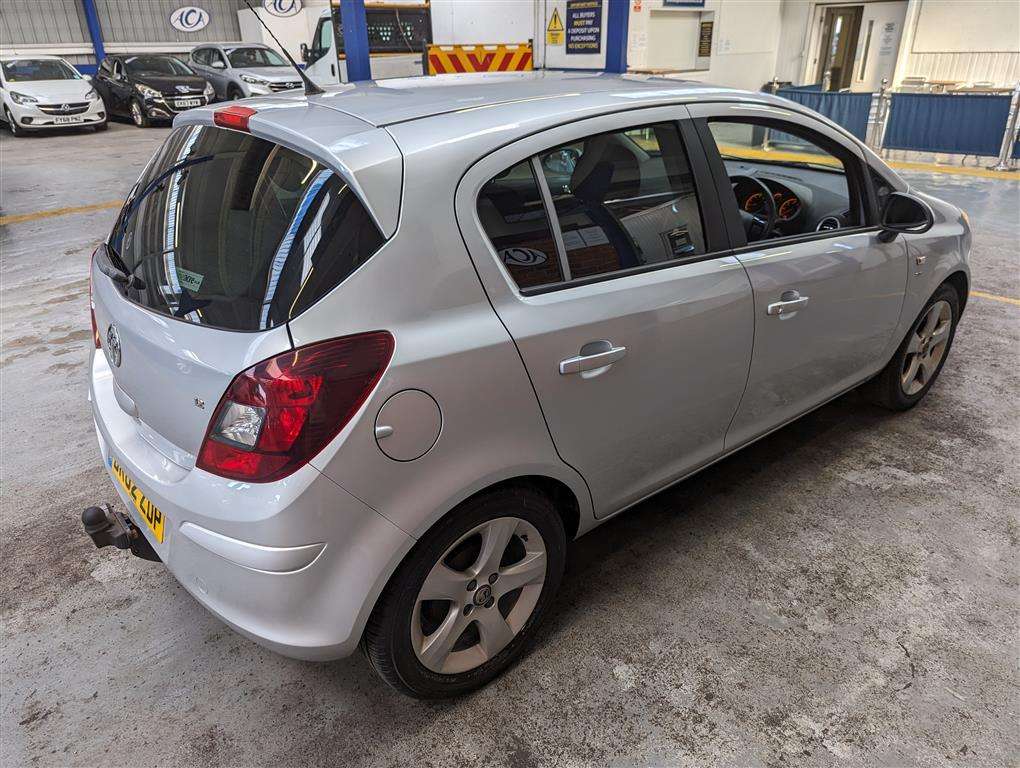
807 199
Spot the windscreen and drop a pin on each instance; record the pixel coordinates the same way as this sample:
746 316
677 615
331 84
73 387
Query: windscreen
157 65
229 230
27 70
255 57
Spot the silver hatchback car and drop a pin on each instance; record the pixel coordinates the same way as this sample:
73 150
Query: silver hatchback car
238 70
366 361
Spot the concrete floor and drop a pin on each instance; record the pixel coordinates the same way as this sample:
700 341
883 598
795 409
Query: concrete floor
844 592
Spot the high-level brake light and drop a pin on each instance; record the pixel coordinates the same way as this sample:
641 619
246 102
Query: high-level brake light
235 117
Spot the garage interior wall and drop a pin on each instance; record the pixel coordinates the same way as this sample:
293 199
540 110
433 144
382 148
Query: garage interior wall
132 26
665 39
963 42
46 26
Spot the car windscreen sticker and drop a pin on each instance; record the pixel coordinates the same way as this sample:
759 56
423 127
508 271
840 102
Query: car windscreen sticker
188 279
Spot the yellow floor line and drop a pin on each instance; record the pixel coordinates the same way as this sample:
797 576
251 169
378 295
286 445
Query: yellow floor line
956 170
17 218
996 297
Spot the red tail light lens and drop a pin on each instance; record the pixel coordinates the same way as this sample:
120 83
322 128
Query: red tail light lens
278 414
92 305
235 117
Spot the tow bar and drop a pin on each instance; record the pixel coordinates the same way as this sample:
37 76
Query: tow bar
109 528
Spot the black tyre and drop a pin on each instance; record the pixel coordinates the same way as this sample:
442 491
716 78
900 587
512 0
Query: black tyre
919 359
234 93
467 600
138 116
100 126
12 125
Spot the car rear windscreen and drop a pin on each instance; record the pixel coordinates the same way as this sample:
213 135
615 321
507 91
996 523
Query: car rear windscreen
229 230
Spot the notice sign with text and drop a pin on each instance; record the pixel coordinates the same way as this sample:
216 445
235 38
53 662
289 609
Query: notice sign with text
584 26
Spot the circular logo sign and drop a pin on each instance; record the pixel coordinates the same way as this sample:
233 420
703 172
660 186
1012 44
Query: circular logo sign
189 18
522 257
113 345
282 7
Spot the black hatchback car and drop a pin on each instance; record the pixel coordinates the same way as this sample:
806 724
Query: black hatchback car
147 87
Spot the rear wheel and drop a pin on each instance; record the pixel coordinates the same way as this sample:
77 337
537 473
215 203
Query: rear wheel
466 602
138 115
920 357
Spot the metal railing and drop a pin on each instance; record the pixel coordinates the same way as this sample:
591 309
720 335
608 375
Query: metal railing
882 108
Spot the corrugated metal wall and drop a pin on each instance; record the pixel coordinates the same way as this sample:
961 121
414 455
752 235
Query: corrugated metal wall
43 22
1000 67
130 21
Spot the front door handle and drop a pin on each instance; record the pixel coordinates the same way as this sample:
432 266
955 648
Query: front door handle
605 356
789 302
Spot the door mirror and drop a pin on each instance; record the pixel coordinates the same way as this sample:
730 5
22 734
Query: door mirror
217 64
304 52
905 213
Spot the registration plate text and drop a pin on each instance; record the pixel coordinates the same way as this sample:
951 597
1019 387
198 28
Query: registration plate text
148 511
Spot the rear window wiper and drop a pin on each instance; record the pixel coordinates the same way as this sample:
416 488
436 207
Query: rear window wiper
113 267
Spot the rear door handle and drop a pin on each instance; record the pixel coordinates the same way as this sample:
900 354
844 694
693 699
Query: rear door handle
593 361
789 302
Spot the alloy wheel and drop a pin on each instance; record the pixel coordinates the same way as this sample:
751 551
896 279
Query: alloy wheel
11 124
479 595
926 347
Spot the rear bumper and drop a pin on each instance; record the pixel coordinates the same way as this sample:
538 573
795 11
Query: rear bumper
295 565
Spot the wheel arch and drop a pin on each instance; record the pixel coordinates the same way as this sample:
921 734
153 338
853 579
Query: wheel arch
961 284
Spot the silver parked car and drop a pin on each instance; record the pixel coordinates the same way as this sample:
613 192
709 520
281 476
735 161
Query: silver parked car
366 361
238 70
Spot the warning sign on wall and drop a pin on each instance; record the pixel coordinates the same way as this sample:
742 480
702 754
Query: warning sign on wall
554 31
584 26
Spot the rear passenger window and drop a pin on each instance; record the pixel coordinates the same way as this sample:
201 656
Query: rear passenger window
621 200
510 207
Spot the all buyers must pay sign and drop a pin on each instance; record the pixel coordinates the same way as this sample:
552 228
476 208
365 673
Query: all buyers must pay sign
584 26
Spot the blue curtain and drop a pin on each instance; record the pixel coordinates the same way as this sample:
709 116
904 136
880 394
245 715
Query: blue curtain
849 110
933 122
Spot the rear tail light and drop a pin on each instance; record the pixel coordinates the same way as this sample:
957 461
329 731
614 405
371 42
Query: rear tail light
278 414
235 117
92 303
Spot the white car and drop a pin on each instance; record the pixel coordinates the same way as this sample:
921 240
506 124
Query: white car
40 92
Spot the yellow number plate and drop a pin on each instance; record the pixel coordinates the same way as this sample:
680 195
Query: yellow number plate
148 511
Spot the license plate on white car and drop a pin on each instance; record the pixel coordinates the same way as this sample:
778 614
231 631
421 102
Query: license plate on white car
67 119
182 103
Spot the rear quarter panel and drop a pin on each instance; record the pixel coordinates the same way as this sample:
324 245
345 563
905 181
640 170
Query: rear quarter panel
421 286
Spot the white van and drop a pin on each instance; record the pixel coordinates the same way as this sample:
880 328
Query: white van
397 36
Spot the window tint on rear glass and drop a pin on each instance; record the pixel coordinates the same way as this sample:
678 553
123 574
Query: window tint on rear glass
625 199
233 231
510 208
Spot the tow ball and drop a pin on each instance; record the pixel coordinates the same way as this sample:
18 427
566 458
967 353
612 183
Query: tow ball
109 528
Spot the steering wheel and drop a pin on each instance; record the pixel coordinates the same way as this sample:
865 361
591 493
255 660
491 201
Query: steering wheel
757 227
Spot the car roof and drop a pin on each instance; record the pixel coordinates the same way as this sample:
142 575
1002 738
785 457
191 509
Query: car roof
539 93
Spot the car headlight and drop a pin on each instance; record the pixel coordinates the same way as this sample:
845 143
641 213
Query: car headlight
20 98
92 95
147 92
209 92
254 80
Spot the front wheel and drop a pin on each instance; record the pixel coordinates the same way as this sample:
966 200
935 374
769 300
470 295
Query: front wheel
466 602
138 115
920 357
100 126
12 124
